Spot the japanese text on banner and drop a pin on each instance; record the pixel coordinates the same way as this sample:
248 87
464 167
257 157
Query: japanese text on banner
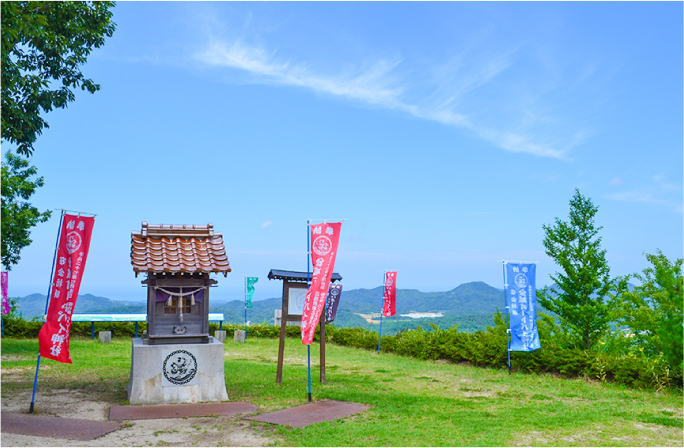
333 301
324 239
523 306
72 252
389 303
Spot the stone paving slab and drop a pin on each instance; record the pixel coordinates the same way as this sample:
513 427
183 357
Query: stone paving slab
55 427
308 414
141 412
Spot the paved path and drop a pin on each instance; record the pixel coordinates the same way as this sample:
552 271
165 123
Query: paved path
55 427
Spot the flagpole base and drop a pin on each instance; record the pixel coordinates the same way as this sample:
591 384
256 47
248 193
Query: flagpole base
31 409
309 397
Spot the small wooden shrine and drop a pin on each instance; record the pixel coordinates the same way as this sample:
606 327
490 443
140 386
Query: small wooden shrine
178 261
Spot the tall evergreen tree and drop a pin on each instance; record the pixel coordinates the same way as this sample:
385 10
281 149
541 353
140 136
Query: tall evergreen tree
584 282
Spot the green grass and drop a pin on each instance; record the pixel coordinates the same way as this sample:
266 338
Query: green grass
415 403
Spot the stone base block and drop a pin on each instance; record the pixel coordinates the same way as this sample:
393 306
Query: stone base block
177 373
220 335
105 337
239 336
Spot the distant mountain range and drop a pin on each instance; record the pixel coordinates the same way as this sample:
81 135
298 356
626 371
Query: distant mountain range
34 305
470 306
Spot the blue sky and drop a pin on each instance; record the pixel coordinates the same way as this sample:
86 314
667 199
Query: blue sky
446 134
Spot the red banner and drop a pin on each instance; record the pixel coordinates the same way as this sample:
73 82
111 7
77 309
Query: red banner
389 305
324 239
72 252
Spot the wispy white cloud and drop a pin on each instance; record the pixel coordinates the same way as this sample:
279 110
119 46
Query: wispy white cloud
371 85
656 190
381 84
266 224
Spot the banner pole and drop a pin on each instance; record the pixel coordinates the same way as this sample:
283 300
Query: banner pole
508 318
5 293
245 307
47 301
308 279
384 279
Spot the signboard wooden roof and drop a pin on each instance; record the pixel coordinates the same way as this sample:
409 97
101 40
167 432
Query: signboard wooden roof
296 276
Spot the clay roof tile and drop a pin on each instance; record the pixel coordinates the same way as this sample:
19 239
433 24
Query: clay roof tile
178 248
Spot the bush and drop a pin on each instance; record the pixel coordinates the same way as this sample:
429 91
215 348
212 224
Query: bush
488 349
482 348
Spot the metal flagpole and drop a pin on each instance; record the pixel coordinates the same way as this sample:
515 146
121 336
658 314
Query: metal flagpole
47 301
245 307
384 280
308 248
508 318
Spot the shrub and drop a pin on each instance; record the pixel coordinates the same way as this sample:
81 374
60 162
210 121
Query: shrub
482 348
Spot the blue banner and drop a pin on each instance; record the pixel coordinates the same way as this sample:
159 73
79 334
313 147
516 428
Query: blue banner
522 296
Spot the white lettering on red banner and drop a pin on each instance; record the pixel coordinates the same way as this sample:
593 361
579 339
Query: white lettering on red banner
389 304
72 252
324 239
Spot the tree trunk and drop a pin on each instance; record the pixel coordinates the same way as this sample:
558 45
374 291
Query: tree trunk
588 334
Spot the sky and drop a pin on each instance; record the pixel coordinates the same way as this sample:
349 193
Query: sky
445 134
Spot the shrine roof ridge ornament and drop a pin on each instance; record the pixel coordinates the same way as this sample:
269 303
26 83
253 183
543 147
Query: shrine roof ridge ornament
176 230
178 249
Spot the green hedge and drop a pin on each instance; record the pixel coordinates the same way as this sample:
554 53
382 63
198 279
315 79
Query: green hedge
482 348
19 328
488 349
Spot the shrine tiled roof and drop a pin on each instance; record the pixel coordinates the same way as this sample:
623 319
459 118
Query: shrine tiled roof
178 248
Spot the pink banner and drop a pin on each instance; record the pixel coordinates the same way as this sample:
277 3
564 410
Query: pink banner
389 305
324 239
5 301
72 252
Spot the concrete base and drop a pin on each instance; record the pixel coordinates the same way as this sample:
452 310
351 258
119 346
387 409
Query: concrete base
239 336
220 335
105 337
177 373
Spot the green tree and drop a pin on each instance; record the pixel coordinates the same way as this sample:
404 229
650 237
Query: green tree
584 283
653 311
18 216
44 44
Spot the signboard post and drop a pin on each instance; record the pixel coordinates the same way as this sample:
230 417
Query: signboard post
294 294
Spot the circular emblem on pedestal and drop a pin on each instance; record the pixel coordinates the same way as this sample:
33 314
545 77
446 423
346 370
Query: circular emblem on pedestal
180 367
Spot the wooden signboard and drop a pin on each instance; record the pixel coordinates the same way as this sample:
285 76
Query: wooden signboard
295 285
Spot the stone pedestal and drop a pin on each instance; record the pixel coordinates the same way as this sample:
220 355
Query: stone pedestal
105 337
220 335
239 336
177 373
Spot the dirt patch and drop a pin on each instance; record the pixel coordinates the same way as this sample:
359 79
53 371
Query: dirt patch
645 435
199 431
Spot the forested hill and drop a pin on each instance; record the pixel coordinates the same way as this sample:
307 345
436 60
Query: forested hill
470 306
468 298
34 305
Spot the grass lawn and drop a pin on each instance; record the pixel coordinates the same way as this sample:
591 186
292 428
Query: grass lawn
415 403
